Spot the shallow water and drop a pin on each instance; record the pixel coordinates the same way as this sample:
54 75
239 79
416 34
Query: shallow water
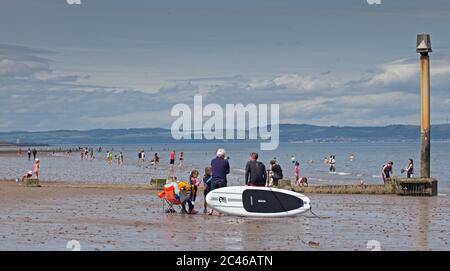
369 157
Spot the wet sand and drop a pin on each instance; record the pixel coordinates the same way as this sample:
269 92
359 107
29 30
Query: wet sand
120 217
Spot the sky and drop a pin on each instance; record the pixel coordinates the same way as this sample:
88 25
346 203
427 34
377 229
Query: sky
124 64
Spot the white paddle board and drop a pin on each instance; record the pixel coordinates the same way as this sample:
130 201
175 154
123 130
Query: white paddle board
257 201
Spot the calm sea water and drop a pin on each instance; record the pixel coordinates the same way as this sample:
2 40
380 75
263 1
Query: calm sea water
366 167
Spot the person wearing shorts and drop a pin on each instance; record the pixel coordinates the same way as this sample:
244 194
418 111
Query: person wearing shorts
172 157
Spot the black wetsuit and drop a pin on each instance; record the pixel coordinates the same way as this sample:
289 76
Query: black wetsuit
255 173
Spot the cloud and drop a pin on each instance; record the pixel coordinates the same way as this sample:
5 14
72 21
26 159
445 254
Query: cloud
35 97
298 82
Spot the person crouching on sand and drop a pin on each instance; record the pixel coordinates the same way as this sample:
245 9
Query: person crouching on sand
185 198
29 174
207 186
36 168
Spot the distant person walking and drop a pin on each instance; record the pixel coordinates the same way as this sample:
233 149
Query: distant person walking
29 154
386 171
255 171
34 154
409 169
220 168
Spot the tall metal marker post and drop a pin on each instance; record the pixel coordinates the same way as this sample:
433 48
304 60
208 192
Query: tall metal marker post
424 47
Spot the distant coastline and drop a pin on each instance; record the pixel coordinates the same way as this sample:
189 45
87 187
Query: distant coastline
294 133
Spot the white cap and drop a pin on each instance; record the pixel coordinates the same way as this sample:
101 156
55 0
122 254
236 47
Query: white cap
37 160
30 172
220 153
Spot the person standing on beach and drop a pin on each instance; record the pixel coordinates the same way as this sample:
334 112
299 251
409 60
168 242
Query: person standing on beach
409 168
34 154
207 187
36 168
386 171
29 154
255 171
220 168
297 172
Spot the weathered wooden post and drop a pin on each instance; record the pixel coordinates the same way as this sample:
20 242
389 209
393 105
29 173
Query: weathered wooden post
424 47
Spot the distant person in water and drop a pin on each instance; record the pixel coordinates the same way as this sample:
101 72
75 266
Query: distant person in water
255 171
120 159
181 158
29 154
351 157
292 159
409 169
142 157
220 168
172 163
386 171
332 163
172 157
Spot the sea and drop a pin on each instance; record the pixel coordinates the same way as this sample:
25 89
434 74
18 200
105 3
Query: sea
365 167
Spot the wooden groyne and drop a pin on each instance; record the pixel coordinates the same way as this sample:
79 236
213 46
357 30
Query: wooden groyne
395 186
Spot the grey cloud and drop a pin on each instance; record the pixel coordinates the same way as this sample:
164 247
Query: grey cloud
30 101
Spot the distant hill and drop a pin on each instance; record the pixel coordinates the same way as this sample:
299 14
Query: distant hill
288 132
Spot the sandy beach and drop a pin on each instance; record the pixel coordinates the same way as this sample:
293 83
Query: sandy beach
125 217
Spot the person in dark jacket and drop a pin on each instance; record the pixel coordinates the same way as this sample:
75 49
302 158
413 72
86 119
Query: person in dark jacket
255 171
277 172
220 168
